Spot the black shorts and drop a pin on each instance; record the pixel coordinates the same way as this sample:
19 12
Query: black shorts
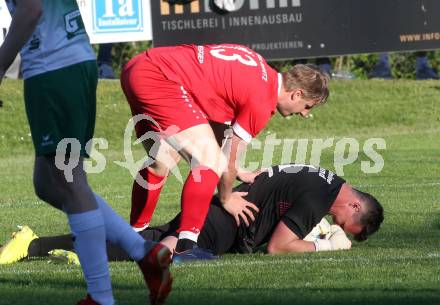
218 234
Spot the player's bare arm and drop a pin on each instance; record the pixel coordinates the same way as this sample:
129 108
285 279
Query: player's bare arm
283 240
248 177
24 21
234 203
221 132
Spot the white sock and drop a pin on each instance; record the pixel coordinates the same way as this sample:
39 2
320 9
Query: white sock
189 235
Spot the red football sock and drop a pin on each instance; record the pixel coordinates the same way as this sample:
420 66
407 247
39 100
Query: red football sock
196 198
143 201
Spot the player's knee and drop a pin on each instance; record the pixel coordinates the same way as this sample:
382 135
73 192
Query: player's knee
215 160
159 169
46 191
40 189
165 163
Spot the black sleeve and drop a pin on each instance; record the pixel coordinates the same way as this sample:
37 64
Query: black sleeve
305 213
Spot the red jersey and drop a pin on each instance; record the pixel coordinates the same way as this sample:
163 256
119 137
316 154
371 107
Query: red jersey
231 83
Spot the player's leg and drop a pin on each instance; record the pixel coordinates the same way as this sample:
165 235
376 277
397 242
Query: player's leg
197 144
92 222
85 219
142 82
171 111
54 114
219 233
146 195
152 259
41 246
165 233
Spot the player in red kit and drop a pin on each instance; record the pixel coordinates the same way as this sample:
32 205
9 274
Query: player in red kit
177 92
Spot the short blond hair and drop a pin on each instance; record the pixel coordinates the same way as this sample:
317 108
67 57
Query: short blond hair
311 79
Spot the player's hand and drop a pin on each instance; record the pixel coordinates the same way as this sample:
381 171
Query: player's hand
338 238
249 177
239 207
322 230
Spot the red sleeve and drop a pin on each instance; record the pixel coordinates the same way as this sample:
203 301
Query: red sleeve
251 119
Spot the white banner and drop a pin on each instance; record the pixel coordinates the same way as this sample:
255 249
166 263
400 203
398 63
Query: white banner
5 17
106 20
116 20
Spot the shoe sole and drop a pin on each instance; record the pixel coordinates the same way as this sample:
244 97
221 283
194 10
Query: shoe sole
160 267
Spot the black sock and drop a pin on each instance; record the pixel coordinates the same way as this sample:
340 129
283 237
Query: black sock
116 253
34 249
185 244
41 246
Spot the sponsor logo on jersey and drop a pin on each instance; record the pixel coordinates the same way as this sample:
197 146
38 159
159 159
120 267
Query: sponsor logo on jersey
46 140
34 43
74 24
113 16
329 178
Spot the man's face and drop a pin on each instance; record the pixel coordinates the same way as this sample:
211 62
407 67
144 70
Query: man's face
295 103
347 218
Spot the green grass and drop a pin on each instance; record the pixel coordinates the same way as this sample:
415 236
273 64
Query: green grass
399 265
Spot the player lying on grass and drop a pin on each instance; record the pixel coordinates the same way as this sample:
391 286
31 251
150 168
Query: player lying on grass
292 199
26 244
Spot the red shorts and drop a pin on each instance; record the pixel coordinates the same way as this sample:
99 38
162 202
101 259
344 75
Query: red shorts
165 104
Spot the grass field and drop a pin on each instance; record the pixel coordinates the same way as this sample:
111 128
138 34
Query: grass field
399 265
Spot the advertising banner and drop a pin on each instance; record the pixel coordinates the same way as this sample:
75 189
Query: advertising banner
116 20
282 29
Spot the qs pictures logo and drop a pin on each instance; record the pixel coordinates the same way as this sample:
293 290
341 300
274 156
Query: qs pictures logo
199 6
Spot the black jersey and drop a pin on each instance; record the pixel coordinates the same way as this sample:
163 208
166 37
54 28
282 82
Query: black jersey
298 195
219 233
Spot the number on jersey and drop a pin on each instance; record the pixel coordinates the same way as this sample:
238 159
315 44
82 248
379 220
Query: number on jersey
233 54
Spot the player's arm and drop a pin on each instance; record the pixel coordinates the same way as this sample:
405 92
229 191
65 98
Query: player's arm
283 240
233 202
251 118
249 177
230 143
232 149
25 18
222 133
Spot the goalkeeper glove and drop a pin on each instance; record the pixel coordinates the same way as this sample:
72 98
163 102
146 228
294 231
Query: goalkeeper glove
337 240
321 230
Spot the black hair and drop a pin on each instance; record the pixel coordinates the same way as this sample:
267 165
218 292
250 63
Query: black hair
372 217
